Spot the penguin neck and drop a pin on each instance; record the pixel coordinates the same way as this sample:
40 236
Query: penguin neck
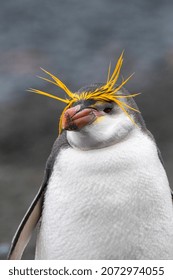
89 140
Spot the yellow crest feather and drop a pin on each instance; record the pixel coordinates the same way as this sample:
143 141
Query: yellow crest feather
106 92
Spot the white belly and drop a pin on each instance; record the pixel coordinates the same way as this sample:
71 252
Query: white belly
111 203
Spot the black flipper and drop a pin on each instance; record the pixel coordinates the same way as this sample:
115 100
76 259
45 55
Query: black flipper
32 216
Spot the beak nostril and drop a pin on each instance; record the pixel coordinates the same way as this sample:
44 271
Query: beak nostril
77 108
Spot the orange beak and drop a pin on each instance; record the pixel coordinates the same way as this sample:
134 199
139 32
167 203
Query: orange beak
75 118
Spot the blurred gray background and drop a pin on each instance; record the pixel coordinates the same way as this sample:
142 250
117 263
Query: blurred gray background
75 40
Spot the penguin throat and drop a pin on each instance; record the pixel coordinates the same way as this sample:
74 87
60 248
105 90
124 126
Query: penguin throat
100 135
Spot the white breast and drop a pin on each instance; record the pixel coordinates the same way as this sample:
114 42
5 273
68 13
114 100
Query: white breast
110 203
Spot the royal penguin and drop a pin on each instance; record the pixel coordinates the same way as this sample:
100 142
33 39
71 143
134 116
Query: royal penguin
105 192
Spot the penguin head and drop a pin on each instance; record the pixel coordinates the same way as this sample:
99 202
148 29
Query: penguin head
92 124
98 115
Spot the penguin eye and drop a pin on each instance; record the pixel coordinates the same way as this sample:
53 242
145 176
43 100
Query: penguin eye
107 110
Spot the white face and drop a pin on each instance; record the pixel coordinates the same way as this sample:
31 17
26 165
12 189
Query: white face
108 129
